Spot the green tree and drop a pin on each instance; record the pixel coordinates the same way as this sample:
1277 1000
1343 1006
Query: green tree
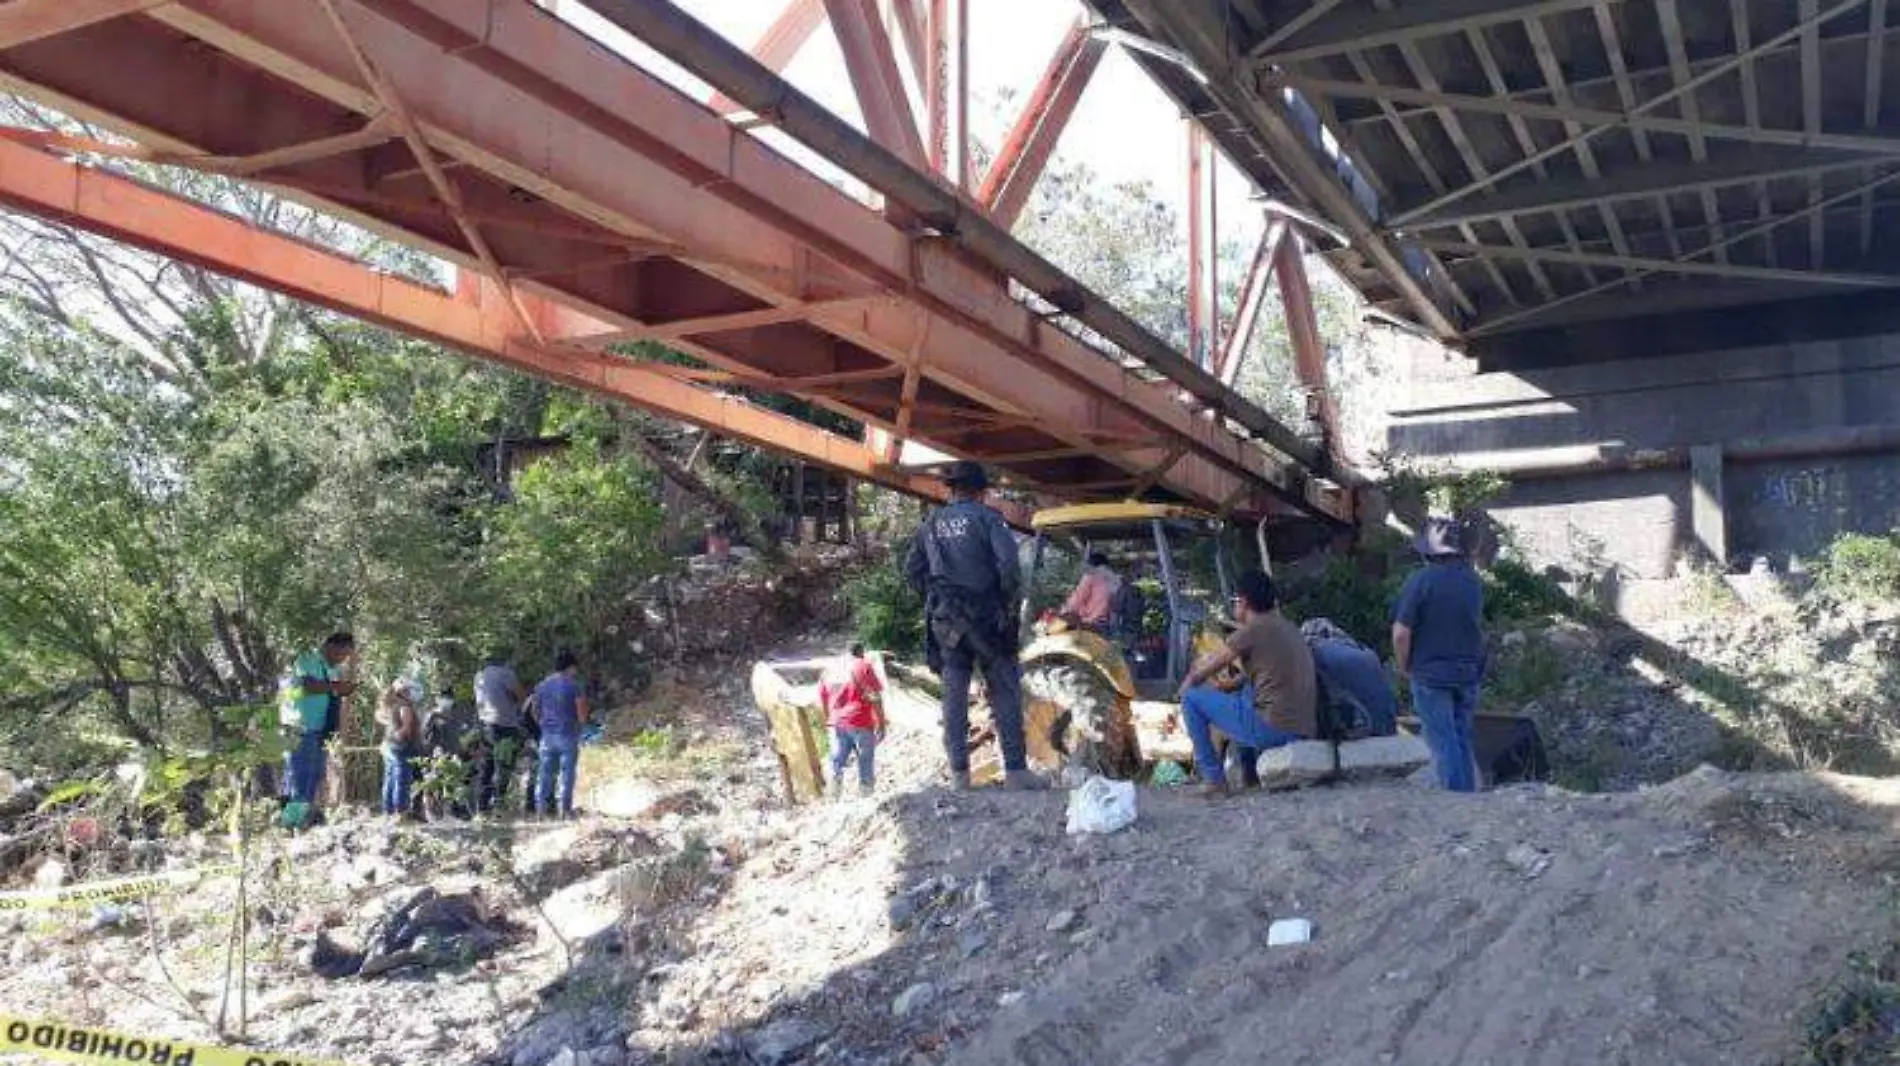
580 537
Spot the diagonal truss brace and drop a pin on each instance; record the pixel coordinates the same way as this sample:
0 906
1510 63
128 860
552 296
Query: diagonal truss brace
419 146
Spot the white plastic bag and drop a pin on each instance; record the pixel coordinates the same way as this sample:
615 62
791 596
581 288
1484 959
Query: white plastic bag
1099 805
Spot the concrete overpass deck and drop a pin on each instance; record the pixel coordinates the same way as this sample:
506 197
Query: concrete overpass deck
1548 181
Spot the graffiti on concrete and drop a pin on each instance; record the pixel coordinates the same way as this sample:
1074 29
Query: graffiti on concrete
1808 489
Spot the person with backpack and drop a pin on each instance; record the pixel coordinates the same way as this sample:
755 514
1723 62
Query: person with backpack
963 562
561 704
1354 688
1438 647
1276 705
309 707
498 698
450 732
401 732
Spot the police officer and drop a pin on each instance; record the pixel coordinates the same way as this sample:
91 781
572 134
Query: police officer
963 562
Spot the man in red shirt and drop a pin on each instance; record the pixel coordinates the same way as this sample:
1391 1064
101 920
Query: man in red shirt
854 706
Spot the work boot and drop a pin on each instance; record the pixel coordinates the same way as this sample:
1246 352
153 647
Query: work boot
1025 781
866 788
1212 790
960 781
837 788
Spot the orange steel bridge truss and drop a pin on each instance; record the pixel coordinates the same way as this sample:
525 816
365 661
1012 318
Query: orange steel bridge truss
586 204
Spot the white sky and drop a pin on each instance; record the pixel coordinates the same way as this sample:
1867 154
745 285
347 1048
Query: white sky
1125 127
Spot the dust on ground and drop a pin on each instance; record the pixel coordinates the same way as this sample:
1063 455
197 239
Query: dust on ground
705 923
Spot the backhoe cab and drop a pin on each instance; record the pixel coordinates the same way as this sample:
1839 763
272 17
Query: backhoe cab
1102 699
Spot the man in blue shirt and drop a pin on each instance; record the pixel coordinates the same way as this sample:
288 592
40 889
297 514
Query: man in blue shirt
963 562
560 705
1438 644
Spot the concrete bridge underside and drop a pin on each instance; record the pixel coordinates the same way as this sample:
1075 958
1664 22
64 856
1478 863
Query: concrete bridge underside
1658 229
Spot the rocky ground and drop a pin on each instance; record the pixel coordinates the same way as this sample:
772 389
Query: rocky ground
1794 683
702 922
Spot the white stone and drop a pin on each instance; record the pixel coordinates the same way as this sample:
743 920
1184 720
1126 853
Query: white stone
51 874
1393 756
1296 765
1289 931
624 799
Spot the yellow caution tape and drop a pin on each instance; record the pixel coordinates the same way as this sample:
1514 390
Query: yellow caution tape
35 899
80 1043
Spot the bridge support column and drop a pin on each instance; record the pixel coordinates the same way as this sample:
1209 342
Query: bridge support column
1708 510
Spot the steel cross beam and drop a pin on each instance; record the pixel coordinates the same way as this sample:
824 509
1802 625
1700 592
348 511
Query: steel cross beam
1554 195
424 153
1302 327
1018 165
26 21
1253 297
780 42
711 58
1662 266
872 65
569 156
1203 247
1356 31
1580 141
1591 117
118 208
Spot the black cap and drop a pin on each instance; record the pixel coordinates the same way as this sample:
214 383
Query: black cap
966 474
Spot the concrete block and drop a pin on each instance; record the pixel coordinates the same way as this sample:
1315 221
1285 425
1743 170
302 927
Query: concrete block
1393 756
1297 765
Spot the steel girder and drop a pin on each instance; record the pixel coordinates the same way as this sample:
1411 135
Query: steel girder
622 207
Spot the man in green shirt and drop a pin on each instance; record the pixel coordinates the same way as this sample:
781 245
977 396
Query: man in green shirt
309 707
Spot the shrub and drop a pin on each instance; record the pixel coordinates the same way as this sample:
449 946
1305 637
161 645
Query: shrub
1516 595
885 612
1862 567
1857 1019
1343 590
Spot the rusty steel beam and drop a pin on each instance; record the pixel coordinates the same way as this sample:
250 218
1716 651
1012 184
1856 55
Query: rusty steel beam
911 19
947 89
714 60
26 21
690 327
779 44
1253 297
554 131
1302 327
483 326
1203 248
419 146
1019 164
872 66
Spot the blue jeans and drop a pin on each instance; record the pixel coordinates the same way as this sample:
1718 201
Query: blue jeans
560 757
1207 707
1446 713
862 741
399 771
303 768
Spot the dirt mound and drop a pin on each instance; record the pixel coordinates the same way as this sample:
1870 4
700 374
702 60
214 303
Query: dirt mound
1683 924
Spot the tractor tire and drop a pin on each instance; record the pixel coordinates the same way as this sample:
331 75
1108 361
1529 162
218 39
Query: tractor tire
1073 717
